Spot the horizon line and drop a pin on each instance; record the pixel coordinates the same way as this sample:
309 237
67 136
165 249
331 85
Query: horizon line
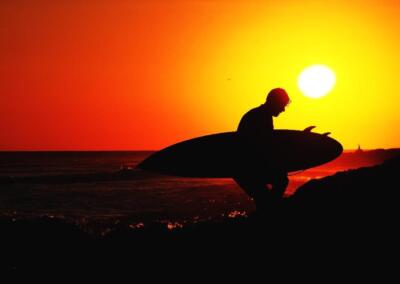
152 150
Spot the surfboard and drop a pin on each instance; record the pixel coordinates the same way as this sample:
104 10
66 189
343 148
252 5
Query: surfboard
222 155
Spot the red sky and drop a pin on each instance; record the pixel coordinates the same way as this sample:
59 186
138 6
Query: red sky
113 75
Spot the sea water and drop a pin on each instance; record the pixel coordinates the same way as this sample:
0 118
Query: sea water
144 198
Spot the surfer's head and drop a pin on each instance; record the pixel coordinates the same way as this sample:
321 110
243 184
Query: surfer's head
277 100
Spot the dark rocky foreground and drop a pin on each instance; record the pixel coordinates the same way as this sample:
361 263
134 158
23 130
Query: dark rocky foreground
350 217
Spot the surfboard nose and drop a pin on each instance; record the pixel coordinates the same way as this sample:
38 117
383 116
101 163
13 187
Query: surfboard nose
330 148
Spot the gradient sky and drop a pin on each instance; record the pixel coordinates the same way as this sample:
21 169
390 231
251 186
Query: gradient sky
113 75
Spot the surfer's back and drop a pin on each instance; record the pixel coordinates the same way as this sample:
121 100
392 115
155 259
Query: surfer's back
256 124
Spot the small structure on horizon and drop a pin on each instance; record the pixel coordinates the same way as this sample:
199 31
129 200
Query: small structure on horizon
359 150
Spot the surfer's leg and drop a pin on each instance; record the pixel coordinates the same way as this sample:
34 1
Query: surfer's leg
279 184
256 189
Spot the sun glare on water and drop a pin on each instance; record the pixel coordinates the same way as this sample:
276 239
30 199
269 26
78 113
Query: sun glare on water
316 81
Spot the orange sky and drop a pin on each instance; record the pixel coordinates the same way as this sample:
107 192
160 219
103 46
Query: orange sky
113 75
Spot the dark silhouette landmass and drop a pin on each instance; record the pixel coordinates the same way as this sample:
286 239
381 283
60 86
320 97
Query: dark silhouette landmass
363 196
349 215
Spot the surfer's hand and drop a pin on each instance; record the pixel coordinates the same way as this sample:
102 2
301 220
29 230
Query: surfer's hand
308 129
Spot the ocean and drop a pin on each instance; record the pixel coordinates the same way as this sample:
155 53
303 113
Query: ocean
141 199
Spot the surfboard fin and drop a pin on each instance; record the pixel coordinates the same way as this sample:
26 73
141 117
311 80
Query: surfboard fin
325 134
308 129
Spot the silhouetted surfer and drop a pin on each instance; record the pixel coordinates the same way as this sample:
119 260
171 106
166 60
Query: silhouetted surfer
255 131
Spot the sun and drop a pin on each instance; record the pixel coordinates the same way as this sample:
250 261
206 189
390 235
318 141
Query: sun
316 81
